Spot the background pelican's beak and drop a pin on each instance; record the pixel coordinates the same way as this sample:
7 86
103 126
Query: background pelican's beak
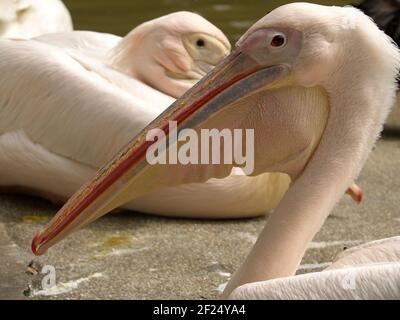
129 175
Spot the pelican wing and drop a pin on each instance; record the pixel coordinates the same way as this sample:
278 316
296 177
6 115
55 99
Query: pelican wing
57 98
92 50
368 271
92 44
359 282
380 251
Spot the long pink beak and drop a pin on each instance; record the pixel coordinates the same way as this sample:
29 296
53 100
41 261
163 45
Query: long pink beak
240 74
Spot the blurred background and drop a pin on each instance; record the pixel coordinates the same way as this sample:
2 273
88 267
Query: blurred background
120 16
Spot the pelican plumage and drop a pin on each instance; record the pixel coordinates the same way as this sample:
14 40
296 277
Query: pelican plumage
369 271
31 18
315 82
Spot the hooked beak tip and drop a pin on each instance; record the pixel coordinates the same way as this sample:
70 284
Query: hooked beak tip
35 245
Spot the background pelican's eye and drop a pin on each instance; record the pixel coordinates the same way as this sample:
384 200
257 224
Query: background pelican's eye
200 43
278 40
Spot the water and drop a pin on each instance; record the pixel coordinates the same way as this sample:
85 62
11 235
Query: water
120 16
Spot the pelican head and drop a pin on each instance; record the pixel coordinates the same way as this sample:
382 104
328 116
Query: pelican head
171 53
314 82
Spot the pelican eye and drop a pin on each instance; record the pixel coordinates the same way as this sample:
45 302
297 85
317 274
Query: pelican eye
200 43
278 41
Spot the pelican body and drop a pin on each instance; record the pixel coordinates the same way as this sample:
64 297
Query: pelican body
31 18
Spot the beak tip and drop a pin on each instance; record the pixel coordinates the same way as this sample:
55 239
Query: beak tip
35 245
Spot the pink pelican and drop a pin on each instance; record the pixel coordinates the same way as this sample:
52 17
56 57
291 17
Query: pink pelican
316 84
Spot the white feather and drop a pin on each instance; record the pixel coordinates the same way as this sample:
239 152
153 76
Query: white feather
369 271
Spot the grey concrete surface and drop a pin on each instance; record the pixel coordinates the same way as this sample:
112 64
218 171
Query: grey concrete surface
134 256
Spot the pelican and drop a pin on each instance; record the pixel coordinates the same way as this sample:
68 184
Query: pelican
316 83
31 18
369 271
